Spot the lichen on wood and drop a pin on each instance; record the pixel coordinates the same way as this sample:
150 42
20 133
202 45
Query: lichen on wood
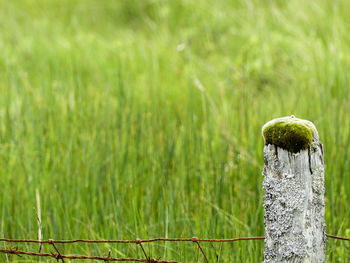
289 133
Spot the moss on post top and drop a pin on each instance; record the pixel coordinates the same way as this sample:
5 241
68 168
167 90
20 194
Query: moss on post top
289 133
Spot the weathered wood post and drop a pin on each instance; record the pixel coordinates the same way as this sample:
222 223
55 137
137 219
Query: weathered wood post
294 192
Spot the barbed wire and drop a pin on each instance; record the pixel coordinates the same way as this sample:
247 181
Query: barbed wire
193 239
336 237
58 256
62 257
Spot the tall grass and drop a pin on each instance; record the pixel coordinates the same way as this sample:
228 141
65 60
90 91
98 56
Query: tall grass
143 118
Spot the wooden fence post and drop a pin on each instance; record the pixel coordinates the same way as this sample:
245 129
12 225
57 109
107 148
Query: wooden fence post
294 192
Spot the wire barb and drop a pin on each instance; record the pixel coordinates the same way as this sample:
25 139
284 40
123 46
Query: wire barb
108 257
58 255
139 242
195 240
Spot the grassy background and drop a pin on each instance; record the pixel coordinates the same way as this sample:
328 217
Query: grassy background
142 118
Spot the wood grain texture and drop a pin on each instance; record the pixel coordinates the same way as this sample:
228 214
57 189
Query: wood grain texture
294 204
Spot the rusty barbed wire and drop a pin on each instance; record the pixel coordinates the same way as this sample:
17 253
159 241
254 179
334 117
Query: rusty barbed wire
336 237
144 240
195 240
59 256
128 241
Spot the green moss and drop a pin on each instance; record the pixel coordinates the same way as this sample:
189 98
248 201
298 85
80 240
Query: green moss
289 133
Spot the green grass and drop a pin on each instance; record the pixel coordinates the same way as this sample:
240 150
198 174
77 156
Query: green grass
142 118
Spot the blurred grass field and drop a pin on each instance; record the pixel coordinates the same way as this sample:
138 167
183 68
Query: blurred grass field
142 118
